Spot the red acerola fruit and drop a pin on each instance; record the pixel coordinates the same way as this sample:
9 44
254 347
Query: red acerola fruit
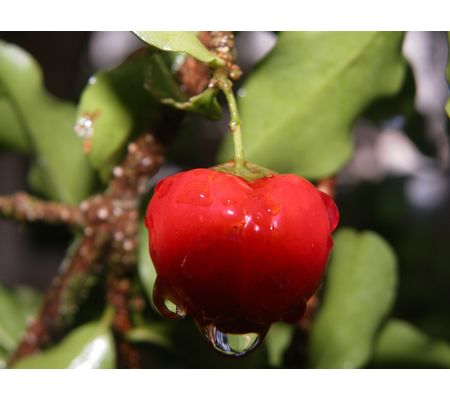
238 255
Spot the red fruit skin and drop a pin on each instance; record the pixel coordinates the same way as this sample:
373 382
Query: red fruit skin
239 254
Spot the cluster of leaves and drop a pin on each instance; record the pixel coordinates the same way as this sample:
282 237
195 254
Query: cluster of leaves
298 106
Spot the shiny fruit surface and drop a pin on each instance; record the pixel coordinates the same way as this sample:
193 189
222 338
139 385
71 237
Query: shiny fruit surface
238 255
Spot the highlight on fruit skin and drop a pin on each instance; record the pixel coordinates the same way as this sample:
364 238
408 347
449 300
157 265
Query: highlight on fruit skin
238 255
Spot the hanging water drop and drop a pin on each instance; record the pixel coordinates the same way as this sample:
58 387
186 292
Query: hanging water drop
165 306
232 344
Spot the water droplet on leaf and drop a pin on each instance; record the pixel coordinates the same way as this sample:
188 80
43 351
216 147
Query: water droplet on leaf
84 127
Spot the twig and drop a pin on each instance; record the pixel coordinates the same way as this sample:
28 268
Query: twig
63 298
23 207
109 237
109 223
222 44
194 76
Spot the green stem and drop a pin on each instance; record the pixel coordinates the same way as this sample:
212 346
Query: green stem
235 122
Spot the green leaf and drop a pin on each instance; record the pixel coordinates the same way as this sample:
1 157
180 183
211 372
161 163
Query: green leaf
359 292
299 104
12 323
12 136
44 125
185 42
401 345
204 103
277 341
146 269
89 346
3 358
28 302
161 83
159 79
113 106
17 306
155 333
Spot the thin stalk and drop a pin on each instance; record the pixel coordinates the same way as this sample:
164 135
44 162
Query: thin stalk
235 121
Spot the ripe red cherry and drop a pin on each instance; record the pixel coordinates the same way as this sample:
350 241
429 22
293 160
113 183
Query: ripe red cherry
238 255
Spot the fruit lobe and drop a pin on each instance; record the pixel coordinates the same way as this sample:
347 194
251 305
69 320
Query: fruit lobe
235 253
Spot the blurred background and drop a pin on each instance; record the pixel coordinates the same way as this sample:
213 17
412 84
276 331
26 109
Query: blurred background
396 184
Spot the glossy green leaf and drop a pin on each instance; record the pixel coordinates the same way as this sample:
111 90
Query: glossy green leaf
298 106
146 269
3 358
161 83
47 125
205 103
156 333
11 322
447 107
185 42
402 345
359 292
12 135
89 346
113 106
159 78
28 302
17 306
277 341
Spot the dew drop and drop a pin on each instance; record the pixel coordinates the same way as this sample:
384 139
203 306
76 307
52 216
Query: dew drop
84 127
331 209
232 344
163 187
166 307
202 199
241 92
274 209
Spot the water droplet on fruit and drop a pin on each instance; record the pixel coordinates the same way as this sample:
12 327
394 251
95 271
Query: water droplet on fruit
202 199
163 187
165 306
232 344
274 209
332 211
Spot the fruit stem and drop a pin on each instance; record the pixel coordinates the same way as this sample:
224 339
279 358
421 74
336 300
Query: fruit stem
235 122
